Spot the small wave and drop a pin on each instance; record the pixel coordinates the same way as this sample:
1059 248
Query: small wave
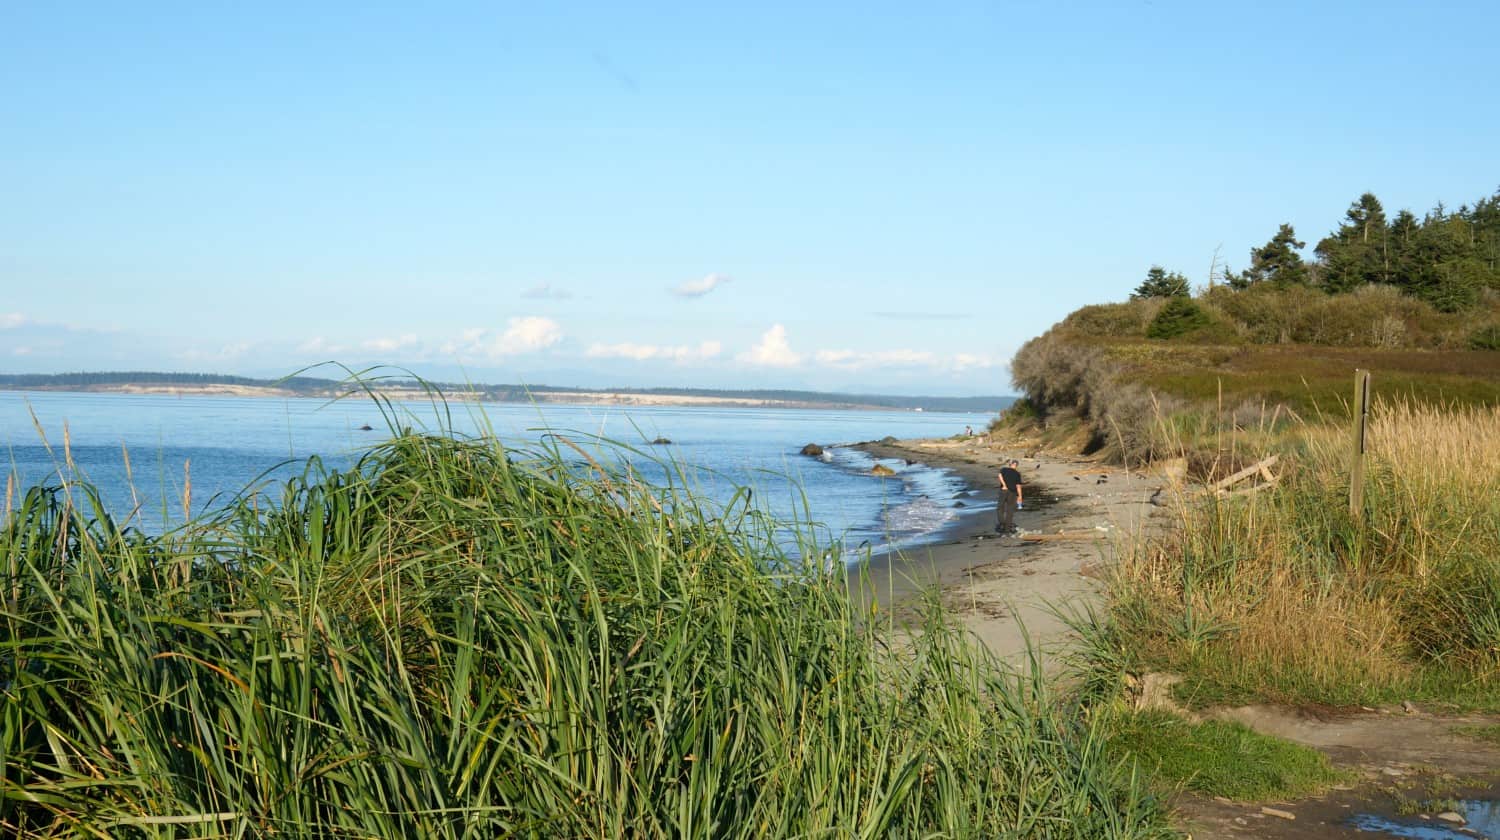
918 517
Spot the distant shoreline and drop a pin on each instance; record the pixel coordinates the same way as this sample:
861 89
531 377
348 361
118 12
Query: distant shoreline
540 395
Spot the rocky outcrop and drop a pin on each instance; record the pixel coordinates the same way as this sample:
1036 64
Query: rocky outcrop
812 450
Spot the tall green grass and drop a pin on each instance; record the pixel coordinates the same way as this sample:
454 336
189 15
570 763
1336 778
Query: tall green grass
456 639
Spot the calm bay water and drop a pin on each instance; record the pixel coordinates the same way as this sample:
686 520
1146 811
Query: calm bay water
140 449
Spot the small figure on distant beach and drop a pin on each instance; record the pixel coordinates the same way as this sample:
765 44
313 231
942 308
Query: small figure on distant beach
1011 492
968 431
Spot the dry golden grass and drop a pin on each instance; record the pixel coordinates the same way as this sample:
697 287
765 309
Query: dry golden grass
1285 595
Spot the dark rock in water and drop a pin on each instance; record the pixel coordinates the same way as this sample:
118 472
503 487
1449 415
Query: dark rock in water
881 470
367 428
812 449
660 442
959 504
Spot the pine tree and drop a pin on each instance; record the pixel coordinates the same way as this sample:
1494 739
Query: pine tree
1160 283
1278 261
1357 253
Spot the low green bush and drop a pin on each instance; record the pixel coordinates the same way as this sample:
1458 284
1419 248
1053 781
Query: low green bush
1221 758
1179 317
1485 338
1114 320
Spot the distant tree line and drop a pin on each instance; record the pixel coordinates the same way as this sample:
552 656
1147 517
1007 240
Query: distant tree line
1447 258
313 386
142 377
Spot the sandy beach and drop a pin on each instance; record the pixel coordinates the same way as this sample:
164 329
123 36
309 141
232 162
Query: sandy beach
1078 513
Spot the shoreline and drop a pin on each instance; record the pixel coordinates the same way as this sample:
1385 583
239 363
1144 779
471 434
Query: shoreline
603 398
1004 588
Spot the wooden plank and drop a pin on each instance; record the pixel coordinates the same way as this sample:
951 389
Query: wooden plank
1245 473
1244 491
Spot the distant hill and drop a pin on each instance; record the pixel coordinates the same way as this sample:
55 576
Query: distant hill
209 383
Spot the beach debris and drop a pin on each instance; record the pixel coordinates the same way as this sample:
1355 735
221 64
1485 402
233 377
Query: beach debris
1156 498
1152 691
812 450
882 470
1262 467
1408 707
1064 535
1452 816
1277 812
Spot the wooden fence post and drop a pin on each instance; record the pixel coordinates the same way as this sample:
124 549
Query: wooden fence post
1361 409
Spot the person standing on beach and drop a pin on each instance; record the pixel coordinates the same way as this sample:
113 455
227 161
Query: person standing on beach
1011 490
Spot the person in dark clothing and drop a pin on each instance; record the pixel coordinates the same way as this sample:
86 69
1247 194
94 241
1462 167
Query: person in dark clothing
1011 496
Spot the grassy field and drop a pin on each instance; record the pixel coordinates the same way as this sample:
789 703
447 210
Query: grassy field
1283 595
459 640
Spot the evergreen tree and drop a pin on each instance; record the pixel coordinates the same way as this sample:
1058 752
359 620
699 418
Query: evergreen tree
1278 261
1160 283
1402 239
1178 318
1357 252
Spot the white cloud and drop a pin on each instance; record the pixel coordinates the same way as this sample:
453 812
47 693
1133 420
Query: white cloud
701 286
545 291
11 320
390 345
526 334
318 344
22 351
852 360
645 352
226 353
772 350
964 361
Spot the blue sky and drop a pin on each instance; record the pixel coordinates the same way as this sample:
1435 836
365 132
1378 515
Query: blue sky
859 196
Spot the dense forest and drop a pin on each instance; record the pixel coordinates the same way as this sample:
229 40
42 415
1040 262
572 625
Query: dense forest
1447 258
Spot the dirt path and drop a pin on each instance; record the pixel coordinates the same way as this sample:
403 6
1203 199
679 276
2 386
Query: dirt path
1408 767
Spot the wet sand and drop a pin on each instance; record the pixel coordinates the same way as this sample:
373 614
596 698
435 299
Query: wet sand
1005 588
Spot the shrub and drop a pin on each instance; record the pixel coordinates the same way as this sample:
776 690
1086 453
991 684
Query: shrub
1114 320
1177 318
1485 338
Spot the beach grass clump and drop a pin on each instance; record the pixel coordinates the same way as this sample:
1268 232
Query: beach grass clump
457 639
1221 758
1284 595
